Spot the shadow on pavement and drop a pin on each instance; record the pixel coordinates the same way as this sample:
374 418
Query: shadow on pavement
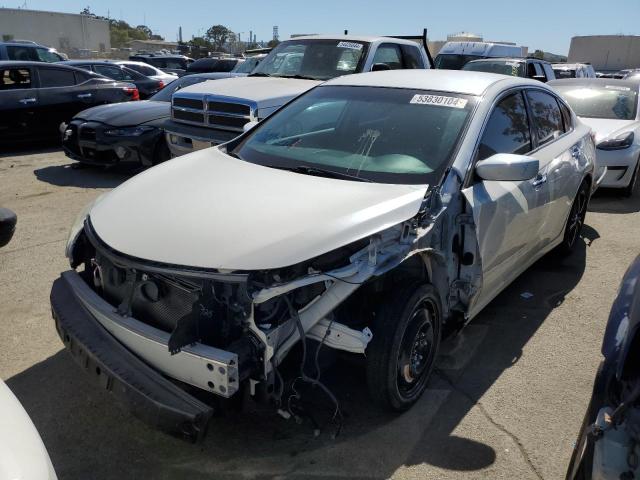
89 437
610 200
76 175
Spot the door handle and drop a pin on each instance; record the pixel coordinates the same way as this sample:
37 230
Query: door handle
539 180
26 101
85 95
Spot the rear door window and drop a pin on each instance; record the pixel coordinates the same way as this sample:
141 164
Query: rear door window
507 130
22 53
546 116
15 78
44 55
114 73
389 54
56 77
412 57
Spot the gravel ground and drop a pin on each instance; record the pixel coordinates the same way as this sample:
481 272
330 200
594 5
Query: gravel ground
506 401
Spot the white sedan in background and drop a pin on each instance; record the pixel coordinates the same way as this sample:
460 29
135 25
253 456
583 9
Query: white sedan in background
610 108
149 71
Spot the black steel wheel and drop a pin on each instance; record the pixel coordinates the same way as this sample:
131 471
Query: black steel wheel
575 221
406 338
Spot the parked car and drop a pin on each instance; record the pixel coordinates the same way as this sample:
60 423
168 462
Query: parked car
573 70
382 206
610 108
36 97
215 112
607 443
148 70
211 65
29 52
8 221
167 63
23 454
146 86
454 55
517 67
242 69
124 132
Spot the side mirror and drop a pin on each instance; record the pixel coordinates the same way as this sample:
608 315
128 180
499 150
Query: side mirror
507 167
541 78
249 125
378 67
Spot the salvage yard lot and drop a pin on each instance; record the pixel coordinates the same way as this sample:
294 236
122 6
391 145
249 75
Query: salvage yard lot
506 401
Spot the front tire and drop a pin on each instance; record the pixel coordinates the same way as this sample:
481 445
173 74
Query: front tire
575 221
406 338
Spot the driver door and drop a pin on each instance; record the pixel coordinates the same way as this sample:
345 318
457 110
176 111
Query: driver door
505 213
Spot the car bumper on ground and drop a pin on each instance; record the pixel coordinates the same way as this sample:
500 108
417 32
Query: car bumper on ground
135 384
183 139
87 143
620 165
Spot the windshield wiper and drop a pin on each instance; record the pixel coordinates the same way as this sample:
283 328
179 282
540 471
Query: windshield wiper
259 74
301 77
320 172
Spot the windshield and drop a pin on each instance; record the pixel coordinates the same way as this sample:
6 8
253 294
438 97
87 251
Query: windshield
313 59
246 66
386 135
608 101
453 61
503 67
164 95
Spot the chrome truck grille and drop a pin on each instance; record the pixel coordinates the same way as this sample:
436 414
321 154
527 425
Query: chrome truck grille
212 111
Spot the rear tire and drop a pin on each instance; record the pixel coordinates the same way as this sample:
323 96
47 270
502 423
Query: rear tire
406 337
575 221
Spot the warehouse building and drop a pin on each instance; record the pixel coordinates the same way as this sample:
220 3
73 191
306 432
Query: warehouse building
70 33
606 52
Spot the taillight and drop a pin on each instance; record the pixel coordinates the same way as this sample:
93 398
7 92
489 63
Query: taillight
160 84
133 91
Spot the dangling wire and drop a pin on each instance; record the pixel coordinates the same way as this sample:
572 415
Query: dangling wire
313 381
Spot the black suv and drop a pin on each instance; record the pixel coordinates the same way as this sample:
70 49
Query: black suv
35 97
28 52
167 63
515 67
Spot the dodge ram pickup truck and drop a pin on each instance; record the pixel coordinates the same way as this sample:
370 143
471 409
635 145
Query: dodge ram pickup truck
216 112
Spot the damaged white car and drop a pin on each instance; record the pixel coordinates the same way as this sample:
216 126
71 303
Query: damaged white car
363 216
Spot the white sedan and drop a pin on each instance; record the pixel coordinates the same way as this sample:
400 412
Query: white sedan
610 108
149 70
365 214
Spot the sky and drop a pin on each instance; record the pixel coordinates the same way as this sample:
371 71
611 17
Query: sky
539 24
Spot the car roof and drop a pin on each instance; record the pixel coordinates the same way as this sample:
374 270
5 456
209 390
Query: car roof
85 62
354 38
568 65
31 63
600 82
509 59
459 81
26 43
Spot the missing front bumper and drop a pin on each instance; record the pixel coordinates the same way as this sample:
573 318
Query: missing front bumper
136 386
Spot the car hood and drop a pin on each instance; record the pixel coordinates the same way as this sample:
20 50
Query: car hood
126 113
605 127
265 91
210 210
22 453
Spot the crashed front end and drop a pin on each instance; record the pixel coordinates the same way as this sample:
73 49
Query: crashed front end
150 332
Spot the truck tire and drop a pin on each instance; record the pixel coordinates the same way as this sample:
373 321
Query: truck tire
406 337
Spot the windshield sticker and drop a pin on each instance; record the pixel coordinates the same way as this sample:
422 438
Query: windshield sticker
617 87
351 45
453 102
